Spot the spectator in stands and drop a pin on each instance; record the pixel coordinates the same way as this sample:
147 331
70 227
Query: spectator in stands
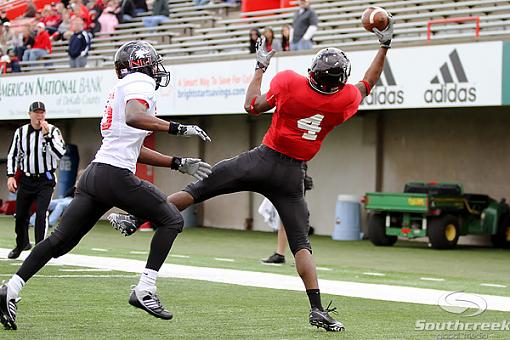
140 6
64 29
3 41
3 16
305 25
12 61
95 26
41 47
160 13
79 44
271 42
80 10
254 36
50 18
128 10
108 19
31 10
21 40
285 40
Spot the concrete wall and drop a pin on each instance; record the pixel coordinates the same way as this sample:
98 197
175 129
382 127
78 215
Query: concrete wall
470 146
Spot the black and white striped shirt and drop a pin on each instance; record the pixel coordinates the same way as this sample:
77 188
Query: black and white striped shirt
33 153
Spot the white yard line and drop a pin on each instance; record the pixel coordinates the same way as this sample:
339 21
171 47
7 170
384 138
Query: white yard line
495 285
99 249
431 279
224 260
324 269
274 281
180 256
139 252
85 270
374 274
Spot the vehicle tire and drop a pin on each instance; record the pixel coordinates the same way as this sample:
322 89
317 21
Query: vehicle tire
443 232
377 231
502 238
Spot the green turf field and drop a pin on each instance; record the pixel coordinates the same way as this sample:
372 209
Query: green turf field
68 304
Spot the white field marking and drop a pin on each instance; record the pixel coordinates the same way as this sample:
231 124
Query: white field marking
324 269
374 274
431 279
139 252
85 270
180 256
99 249
275 281
495 285
224 260
272 264
80 276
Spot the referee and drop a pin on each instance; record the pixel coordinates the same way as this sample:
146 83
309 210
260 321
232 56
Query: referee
35 151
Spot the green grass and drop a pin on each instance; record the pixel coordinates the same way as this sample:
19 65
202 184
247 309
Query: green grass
79 307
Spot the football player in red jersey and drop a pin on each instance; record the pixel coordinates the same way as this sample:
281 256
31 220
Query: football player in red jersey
307 109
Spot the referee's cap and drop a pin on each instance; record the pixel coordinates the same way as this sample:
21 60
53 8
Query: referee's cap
37 106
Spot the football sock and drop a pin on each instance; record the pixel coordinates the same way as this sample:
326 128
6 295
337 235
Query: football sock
314 295
147 279
15 284
39 256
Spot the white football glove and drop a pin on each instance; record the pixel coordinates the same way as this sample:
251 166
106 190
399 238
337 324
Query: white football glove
192 130
263 57
195 167
385 35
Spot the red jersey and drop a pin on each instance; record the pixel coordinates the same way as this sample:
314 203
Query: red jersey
303 116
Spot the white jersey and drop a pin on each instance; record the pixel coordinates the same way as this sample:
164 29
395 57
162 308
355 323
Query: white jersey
122 143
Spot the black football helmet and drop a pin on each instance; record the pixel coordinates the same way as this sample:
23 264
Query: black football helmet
140 56
329 71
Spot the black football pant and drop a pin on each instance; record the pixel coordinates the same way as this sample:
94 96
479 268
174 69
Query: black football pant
30 190
100 188
269 173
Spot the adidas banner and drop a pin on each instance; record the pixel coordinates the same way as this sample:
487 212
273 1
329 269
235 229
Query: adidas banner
415 77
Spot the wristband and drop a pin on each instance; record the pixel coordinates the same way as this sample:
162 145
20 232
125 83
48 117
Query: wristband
173 129
176 163
252 106
367 86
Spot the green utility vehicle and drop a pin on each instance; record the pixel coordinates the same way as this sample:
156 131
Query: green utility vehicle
440 211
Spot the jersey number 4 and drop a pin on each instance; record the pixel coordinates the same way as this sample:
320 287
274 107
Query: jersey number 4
312 126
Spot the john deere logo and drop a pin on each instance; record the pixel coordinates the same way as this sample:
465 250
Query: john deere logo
386 90
445 88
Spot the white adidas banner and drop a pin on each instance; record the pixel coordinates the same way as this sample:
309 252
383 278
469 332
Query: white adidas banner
417 77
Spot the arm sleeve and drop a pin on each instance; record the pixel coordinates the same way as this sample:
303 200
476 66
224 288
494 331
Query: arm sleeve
142 89
56 143
12 156
314 21
310 32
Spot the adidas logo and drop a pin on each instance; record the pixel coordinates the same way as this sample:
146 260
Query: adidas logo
386 89
451 85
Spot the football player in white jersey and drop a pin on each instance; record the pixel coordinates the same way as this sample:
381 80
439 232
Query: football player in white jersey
109 181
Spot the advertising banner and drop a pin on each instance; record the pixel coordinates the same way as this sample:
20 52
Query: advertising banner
415 77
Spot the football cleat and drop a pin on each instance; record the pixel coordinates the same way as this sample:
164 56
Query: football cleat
275 258
148 300
321 318
126 224
8 308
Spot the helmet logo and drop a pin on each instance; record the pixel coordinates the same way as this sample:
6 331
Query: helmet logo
140 57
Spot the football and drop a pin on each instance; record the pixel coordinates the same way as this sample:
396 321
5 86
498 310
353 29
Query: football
374 17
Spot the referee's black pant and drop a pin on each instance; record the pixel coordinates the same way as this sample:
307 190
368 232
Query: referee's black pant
30 189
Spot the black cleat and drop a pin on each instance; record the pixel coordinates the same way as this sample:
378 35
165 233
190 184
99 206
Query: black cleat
275 258
16 252
7 309
149 302
126 224
322 319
